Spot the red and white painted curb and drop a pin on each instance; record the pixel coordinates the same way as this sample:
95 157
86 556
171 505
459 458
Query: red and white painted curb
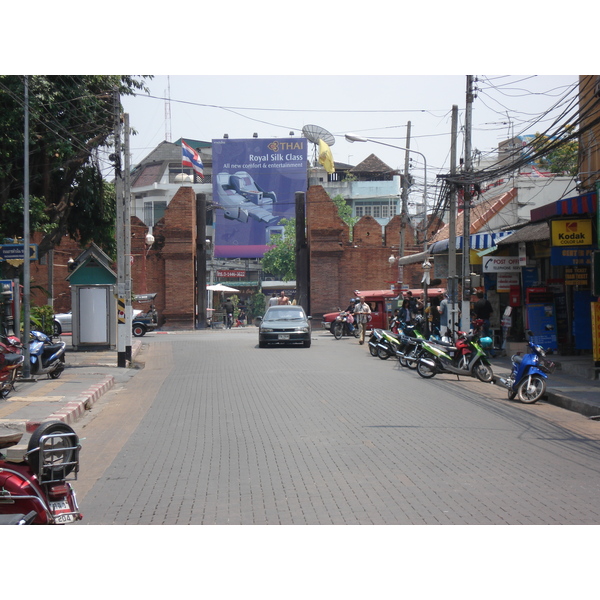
73 410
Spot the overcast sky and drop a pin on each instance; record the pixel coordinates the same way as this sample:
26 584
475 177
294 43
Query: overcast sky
205 107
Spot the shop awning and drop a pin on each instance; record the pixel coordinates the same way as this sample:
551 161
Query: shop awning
478 241
578 205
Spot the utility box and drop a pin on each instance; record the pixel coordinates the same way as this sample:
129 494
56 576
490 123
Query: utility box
93 301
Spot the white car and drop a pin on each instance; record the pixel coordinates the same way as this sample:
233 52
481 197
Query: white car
63 322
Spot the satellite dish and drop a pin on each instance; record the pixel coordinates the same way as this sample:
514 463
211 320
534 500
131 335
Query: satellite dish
314 133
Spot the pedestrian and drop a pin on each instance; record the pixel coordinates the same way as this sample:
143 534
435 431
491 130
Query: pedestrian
229 308
273 299
283 299
406 314
444 316
482 309
362 314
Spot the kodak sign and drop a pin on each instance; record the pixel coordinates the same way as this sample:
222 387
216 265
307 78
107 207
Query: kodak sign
572 233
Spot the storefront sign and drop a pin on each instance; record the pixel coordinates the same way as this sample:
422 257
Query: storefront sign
571 257
572 233
577 276
505 280
500 264
596 330
231 273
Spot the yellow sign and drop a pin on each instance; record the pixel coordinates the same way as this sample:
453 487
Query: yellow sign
575 232
596 330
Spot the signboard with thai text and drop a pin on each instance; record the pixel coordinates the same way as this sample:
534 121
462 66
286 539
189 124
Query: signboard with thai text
504 281
574 232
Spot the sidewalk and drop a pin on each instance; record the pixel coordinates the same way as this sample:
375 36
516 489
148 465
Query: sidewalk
570 386
87 376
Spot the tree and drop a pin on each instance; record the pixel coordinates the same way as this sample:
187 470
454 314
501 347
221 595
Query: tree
71 118
563 160
344 210
280 260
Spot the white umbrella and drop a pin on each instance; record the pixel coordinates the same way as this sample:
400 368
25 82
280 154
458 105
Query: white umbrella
219 287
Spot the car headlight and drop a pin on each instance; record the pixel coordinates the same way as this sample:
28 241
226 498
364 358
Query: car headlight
302 329
266 329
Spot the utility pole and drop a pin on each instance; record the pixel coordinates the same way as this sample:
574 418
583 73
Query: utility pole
127 234
120 234
466 263
452 279
26 265
302 260
404 211
201 260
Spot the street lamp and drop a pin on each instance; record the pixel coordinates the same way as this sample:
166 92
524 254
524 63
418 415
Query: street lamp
350 137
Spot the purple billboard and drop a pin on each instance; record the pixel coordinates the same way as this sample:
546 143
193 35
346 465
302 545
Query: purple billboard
254 186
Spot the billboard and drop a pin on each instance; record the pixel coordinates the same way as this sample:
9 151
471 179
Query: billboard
254 186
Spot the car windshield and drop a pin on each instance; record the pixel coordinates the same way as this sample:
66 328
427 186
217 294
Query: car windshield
284 315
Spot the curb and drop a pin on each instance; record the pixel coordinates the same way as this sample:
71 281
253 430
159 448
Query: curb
74 409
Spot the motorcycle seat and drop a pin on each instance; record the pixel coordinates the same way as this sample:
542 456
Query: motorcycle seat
10 359
50 349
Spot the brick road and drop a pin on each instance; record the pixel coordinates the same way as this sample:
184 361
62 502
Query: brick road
216 431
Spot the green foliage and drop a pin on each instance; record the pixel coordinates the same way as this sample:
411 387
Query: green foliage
280 260
563 160
344 210
42 317
71 118
257 305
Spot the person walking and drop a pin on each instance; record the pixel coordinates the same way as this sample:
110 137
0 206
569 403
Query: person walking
229 308
444 316
283 299
482 309
273 299
362 312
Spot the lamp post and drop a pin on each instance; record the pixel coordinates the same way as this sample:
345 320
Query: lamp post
350 137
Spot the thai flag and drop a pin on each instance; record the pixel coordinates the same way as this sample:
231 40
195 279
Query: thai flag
190 158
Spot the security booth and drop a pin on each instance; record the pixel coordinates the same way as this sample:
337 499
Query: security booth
93 301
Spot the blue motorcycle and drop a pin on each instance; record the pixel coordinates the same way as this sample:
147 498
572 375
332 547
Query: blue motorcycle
46 357
527 379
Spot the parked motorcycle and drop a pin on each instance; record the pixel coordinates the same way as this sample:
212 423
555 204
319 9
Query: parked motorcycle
39 480
11 361
465 357
529 374
410 348
340 327
46 357
385 343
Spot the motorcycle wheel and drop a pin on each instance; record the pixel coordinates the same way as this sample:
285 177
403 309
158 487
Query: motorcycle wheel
483 372
425 371
373 350
383 354
61 461
57 372
511 394
338 330
413 359
530 390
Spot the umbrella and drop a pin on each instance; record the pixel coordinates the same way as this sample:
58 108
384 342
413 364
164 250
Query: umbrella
219 287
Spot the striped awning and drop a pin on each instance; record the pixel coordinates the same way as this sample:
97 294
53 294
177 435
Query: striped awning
477 241
578 205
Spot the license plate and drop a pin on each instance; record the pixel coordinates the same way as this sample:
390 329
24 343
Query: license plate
66 518
58 506
283 336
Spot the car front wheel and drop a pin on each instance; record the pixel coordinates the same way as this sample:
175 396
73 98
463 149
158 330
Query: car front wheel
57 328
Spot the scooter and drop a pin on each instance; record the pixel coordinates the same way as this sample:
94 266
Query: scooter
387 345
11 361
466 357
529 374
39 480
46 357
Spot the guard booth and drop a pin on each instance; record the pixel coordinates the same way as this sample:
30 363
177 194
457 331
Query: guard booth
93 301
